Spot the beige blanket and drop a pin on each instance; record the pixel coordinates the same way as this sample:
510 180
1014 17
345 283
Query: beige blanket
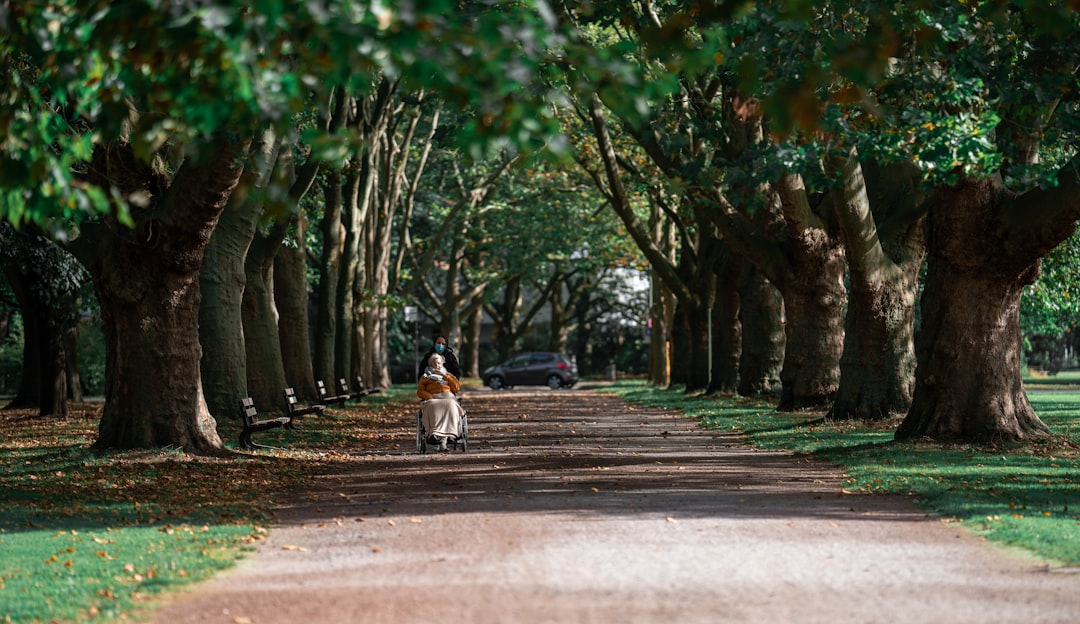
441 415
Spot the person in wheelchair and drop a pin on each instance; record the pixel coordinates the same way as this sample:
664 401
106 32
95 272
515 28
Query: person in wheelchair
440 410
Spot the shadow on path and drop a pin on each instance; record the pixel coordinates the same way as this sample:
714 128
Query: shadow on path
573 506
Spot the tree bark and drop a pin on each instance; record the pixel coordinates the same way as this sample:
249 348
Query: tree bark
470 346
29 393
329 272
292 298
71 361
266 368
37 272
815 336
761 312
727 332
222 283
352 220
968 385
54 394
877 368
147 282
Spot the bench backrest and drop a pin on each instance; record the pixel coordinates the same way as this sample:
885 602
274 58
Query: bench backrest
344 386
290 398
361 389
248 413
321 388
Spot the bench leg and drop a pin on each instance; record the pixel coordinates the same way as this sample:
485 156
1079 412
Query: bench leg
248 445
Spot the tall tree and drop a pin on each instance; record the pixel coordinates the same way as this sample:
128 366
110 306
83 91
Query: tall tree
992 117
222 284
46 282
128 129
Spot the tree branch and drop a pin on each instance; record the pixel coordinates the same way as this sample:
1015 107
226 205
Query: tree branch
1041 218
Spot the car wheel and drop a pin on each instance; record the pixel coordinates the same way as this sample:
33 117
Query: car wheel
495 382
554 382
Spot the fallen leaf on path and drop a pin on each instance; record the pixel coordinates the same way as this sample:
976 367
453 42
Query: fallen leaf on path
293 547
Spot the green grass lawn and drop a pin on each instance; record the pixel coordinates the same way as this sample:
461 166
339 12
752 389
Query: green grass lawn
87 537
1027 497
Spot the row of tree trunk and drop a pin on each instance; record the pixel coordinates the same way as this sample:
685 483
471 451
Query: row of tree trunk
838 269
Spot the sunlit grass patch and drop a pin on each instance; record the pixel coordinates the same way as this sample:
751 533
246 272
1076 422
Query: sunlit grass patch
71 574
87 536
1028 496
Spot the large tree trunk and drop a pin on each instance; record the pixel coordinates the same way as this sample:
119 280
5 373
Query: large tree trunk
48 312
877 369
726 327
815 339
71 362
352 220
692 346
761 312
814 301
968 384
812 282
329 274
53 373
221 332
292 298
266 368
153 391
147 282
222 282
660 314
878 363
29 393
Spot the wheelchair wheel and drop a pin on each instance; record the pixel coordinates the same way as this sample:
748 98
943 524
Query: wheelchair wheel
421 438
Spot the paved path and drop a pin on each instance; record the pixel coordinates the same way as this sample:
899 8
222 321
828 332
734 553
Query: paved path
571 506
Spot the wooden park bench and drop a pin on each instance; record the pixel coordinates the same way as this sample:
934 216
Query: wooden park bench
326 398
343 387
253 422
294 409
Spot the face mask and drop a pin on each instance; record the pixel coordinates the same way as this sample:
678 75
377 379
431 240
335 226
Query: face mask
439 348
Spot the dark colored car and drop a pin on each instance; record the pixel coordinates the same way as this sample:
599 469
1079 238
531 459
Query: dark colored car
532 369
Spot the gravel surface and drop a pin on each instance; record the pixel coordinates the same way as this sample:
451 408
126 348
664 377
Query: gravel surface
572 506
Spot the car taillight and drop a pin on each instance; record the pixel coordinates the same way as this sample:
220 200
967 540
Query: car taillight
563 366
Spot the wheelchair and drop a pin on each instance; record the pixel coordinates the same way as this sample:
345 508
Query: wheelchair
460 441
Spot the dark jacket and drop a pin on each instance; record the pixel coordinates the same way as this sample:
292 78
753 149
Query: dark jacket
451 361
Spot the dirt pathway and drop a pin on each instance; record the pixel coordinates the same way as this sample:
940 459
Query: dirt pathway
571 506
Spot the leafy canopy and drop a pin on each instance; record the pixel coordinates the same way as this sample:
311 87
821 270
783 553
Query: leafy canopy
76 75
